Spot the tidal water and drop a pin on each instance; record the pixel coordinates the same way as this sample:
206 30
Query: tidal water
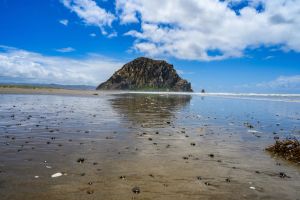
163 146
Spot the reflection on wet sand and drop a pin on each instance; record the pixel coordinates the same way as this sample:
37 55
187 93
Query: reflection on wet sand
143 147
149 109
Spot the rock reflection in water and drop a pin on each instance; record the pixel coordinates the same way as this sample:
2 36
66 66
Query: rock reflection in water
140 108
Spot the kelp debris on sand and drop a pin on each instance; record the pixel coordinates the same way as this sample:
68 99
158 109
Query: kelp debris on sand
289 149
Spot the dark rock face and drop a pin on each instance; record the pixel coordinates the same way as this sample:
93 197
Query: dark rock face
146 74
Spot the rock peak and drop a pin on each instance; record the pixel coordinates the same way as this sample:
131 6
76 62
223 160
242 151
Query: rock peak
146 74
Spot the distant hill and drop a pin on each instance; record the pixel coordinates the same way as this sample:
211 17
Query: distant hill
146 74
56 86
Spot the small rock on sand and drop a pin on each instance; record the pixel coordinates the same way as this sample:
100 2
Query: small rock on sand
136 190
80 160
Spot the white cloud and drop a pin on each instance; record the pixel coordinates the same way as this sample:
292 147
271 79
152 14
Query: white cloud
64 22
33 67
268 57
282 82
66 50
211 29
91 13
127 12
113 34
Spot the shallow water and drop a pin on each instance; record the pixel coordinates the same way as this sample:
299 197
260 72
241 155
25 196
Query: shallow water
170 146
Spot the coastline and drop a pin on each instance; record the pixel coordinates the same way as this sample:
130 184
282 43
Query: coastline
290 98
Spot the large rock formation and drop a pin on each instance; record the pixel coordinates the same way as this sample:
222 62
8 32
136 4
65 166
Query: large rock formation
146 74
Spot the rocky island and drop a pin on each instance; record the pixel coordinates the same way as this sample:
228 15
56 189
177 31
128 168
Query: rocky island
146 74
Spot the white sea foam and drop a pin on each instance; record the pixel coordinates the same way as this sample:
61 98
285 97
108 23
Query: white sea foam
249 94
253 96
216 94
253 131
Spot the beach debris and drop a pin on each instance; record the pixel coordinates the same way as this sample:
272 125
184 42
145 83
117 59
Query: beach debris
185 158
36 177
248 125
193 144
122 177
199 178
252 188
211 155
207 183
90 191
80 160
288 149
58 174
254 132
227 180
283 175
151 175
136 190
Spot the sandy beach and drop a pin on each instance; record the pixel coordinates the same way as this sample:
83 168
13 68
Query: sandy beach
72 144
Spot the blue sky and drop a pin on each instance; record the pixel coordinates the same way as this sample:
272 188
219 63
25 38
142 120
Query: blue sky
222 46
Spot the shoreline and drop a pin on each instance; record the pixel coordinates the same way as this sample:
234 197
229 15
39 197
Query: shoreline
289 98
16 88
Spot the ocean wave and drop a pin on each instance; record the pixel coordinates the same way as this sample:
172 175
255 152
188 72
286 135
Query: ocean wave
251 96
216 94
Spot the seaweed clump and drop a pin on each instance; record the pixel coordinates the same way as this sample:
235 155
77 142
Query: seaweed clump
288 149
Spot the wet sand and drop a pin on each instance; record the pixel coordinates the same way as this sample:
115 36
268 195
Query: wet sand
162 146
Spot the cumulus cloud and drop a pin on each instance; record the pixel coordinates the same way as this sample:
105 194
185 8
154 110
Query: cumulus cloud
64 22
31 67
91 13
127 11
211 29
66 50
